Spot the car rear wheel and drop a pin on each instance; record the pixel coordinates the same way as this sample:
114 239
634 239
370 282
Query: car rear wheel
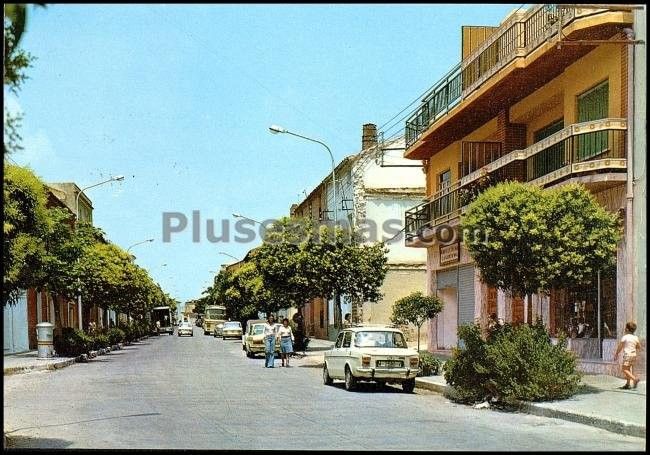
350 380
327 379
408 385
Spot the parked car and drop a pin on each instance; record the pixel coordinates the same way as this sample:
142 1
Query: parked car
253 339
185 329
230 329
378 354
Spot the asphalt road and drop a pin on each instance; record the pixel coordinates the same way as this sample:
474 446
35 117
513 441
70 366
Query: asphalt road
203 393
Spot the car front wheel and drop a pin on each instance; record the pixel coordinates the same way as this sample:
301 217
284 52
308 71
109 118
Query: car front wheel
350 380
327 379
408 385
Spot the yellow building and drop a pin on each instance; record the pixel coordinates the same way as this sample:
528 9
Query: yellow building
543 99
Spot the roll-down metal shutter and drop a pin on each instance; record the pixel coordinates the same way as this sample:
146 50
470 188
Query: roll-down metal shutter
466 294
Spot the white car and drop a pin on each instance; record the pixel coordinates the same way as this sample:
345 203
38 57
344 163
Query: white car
230 329
368 353
185 329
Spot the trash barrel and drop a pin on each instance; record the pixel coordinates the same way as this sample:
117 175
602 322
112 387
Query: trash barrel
45 340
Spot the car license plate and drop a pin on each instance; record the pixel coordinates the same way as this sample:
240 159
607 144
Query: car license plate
390 363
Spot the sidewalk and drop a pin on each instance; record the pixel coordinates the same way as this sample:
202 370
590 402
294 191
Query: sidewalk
29 361
600 404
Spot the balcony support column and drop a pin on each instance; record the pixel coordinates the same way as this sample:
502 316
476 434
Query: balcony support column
629 207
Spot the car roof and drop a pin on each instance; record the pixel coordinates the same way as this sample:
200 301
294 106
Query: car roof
373 328
256 321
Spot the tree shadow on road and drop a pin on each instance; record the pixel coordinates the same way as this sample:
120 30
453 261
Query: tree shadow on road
25 442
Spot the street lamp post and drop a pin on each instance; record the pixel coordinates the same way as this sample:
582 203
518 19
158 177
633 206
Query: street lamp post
139 243
275 129
117 178
229 255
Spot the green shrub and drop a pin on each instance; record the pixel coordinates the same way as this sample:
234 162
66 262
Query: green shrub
429 364
72 342
463 371
129 332
100 341
514 363
115 336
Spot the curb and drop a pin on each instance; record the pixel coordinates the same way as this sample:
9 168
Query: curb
83 358
628 429
29 369
439 388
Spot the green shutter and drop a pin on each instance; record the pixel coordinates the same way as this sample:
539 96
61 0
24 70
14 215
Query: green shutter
592 105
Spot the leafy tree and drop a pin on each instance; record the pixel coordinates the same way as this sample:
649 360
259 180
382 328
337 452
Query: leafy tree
341 266
525 239
281 264
16 61
416 309
25 225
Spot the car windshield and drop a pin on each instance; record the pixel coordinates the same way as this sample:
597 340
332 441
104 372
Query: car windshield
232 325
258 329
215 313
376 339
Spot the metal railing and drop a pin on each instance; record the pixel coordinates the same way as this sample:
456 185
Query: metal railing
598 145
517 37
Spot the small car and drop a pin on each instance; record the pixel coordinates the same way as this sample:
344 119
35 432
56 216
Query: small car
230 329
378 354
185 329
253 340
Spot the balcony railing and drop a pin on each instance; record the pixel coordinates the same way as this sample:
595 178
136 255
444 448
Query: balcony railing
443 206
599 145
598 139
517 37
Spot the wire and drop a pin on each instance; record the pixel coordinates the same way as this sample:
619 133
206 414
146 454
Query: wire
381 128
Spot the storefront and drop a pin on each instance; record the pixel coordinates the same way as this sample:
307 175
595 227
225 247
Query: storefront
587 316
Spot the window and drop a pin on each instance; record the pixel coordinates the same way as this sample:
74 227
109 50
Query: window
444 181
379 339
339 340
550 159
592 105
347 339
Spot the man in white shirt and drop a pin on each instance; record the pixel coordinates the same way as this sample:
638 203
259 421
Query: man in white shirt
270 332
630 346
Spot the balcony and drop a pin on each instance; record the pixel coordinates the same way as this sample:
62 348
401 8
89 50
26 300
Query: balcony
581 151
476 89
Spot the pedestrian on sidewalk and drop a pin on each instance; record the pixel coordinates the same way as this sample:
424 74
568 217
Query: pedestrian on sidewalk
286 341
270 332
630 346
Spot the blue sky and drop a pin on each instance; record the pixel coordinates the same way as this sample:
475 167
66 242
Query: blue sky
178 99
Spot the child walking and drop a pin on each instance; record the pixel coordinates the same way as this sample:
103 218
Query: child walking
630 346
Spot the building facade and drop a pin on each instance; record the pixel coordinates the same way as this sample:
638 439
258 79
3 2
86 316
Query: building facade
543 98
38 305
374 189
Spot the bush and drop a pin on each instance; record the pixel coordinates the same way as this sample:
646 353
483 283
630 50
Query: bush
430 365
72 342
514 363
100 341
115 336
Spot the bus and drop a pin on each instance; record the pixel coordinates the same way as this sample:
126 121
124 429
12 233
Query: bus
214 315
162 317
